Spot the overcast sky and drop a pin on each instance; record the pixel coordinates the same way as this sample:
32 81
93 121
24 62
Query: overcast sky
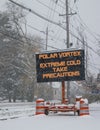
87 9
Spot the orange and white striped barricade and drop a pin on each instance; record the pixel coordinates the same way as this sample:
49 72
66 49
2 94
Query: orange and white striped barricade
40 106
84 107
78 98
77 105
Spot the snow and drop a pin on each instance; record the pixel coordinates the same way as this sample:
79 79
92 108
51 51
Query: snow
58 121
16 110
85 100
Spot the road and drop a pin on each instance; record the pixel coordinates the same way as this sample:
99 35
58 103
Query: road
17 110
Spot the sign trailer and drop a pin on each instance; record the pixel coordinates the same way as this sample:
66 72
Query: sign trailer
66 65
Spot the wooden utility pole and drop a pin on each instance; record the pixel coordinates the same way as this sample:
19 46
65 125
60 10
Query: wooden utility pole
67 44
46 47
63 92
67 24
46 37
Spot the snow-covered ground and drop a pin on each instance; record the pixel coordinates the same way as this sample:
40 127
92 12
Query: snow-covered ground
16 110
61 121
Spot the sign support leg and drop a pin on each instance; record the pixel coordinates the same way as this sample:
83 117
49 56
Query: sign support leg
63 92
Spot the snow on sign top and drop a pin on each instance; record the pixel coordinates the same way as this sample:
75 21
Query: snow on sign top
67 65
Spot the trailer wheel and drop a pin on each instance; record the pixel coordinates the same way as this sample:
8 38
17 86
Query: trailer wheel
46 112
78 112
74 113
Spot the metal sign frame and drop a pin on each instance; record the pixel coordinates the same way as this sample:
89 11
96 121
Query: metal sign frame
66 65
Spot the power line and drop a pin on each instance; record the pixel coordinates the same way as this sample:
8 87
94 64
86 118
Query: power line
43 32
53 22
26 38
30 10
47 6
85 44
87 28
80 20
84 24
42 17
78 30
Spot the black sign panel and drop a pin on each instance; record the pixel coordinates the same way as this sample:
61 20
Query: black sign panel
60 66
